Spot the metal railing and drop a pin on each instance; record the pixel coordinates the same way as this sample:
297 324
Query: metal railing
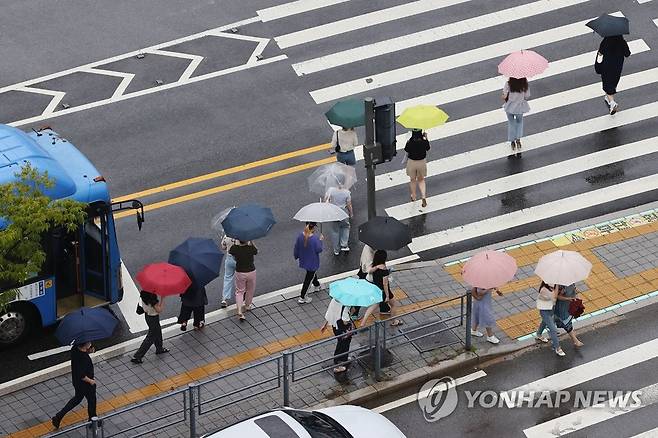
183 408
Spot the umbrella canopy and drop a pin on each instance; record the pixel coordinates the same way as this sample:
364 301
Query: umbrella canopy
86 325
422 117
386 233
200 258
347 113
523 64
331 175
609 25
248 222
163 279
354 292
563 267
320 212
489 269
216 221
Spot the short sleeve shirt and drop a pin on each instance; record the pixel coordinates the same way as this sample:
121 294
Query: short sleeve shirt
339 197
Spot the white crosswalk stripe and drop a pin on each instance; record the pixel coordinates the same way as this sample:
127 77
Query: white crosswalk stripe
577 90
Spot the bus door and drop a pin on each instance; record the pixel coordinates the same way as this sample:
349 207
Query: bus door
94 257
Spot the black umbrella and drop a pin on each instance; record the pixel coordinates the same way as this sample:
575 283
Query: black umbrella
609 25
386 233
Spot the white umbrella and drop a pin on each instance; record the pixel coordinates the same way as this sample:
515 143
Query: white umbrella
216 221
320 212
331 175
563 267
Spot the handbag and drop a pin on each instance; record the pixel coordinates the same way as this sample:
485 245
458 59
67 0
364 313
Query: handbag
576 307
597 64
139 310
337 148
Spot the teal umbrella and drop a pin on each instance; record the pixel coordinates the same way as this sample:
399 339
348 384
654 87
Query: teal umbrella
347 113
353 292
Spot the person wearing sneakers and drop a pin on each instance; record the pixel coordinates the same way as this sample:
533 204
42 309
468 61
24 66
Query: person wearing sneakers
307 250
515 95
416 149
563 319
245 276
229 270
482 313
152 308
546 299
340 231
84 384
610 63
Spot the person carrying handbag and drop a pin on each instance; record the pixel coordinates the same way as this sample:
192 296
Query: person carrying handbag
546 299
563 317
338 316
343 142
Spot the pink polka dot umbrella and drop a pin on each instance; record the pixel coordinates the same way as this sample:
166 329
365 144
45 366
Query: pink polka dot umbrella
523 64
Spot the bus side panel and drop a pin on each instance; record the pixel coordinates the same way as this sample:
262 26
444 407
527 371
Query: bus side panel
42 295
114 259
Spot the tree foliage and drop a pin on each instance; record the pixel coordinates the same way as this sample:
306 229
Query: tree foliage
29 214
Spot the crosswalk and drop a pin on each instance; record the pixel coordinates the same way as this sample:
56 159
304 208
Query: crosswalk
451 63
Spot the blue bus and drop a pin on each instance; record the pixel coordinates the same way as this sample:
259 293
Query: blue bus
82 268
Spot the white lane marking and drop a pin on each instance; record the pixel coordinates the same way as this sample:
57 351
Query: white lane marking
52 105
427 36
489 85
362 21
653 433
526 179
294 8
640 2
412 398
195 60
438 65
147 91
535 141
128 305
533 214
579 420
121 88
46 353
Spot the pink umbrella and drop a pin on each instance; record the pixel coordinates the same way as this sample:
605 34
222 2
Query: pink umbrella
489 269
523 64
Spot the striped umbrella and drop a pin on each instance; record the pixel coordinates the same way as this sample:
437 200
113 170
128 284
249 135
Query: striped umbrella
523 64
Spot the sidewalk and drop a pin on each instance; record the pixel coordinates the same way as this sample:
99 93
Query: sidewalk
625 271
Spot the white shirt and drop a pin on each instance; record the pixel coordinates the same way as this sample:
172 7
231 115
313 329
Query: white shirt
347 139
149 310
545 300
366 260
337 311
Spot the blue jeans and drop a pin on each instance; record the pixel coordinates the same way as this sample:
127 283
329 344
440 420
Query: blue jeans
229 273
514 126
548 322
340 234
346 158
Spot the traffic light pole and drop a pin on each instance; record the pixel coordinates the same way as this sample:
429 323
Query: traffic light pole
368 149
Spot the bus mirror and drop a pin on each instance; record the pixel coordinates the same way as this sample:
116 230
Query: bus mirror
132 204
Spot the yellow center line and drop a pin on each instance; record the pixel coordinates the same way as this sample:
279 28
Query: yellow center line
220 173
230 186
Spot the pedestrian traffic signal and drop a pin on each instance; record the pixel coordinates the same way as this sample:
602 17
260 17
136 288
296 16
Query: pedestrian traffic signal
385 128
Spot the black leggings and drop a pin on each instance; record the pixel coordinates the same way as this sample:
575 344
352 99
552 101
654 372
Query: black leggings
342 347
310 277
83 390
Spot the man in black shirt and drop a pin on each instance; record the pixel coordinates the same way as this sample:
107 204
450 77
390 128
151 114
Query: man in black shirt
82 376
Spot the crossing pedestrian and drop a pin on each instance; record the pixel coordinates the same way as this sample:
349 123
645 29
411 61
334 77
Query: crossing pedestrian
343 142
152 306
229 270
307 250
546 299
380 277
84 384
609 64
515 95
416 149
338 316
482 313
340 231
193 302
563 319
245 275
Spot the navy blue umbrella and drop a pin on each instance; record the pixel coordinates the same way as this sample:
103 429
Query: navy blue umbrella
609 25
85 325
248 222
200 258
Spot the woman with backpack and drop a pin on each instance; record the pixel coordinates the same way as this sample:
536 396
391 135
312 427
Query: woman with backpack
515 95
563 317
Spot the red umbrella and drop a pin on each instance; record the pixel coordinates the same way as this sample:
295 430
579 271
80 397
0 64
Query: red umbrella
163 279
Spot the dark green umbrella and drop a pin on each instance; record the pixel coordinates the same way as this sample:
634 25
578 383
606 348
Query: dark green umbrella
347 113
609 25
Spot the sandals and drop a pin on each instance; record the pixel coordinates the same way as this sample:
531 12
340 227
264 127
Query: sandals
424 203
541 339
200 326
396 323
242 318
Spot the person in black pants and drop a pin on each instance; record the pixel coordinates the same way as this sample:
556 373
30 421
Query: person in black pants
152 308
193 301
82 376
338 316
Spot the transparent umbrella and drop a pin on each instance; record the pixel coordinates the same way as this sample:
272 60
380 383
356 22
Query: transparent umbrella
216 221
331 175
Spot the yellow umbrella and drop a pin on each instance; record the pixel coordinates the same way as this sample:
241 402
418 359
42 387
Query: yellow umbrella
422 117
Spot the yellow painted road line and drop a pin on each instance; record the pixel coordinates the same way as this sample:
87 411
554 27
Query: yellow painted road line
224 172
230 186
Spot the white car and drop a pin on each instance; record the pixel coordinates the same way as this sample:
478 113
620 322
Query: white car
335 422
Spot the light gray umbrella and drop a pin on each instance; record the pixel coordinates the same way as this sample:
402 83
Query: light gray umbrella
331 175
216 221
320 212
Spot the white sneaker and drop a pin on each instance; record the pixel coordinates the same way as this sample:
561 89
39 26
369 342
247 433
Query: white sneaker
613 108
305 300
317 288
345 249
336 253
476 333
541 339
493 339
250 307
559 352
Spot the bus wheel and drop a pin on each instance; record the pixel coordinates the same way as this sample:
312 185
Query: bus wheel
15 325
